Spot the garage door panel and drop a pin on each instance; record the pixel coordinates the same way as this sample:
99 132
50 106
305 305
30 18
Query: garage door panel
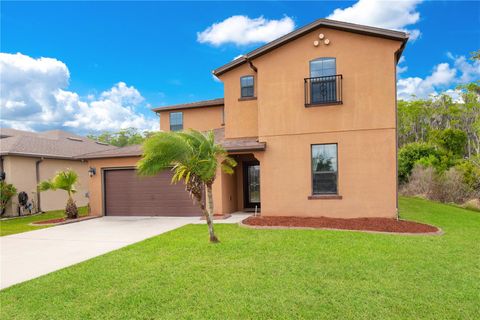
131 195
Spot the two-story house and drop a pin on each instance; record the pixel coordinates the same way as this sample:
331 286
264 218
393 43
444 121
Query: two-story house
310 119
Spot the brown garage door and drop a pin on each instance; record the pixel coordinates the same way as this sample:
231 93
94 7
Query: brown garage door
127 194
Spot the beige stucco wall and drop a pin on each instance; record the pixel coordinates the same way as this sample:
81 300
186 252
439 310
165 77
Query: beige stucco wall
366 175
201 119
241 116
54 200
20 171
368 68
363 126
225 193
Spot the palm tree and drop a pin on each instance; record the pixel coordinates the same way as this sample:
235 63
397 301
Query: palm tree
64 180
194 157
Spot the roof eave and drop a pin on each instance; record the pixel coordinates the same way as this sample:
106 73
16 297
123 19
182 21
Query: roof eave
106 156
345 26
161 109
37 155
247 148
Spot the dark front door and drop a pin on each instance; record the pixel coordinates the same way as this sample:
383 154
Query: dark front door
251 184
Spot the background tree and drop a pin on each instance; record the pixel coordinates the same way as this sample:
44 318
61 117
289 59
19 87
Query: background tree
476 55
122 138
194 158
64 180
439 141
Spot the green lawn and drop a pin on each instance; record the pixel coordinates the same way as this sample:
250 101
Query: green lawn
265 274
22 224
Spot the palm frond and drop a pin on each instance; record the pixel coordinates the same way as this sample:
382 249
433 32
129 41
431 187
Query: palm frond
161 151
190 154
46 185
65 180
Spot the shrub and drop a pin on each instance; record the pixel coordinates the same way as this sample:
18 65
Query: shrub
7 191
447 187
420 182
411 153
473 204
471 173
453 141
450 188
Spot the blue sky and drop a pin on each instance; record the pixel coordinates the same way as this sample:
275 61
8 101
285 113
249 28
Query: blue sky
154 50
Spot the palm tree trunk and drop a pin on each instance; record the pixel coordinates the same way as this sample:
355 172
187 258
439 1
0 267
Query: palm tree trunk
209 214
71 209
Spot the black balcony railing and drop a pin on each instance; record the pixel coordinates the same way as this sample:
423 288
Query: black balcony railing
323 90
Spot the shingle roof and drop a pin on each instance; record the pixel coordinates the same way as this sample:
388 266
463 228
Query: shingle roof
238 144
191 105
339 25
119 152
48 144
231 145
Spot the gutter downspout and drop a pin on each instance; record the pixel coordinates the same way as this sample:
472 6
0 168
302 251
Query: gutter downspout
37 176
250 64
398 53
1 164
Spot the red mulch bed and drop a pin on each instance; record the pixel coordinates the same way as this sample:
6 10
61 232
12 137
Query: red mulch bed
363 224
58 220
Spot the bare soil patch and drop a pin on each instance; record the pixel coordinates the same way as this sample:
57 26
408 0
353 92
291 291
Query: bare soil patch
359 224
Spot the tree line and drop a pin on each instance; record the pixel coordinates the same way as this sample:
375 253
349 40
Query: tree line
439 141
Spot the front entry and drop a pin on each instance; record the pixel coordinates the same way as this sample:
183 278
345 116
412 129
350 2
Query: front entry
251 184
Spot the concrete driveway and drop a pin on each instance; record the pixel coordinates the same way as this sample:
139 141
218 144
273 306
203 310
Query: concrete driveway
28 255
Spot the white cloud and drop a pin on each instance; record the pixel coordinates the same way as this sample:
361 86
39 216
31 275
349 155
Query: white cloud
113 110
455 94
395 15
443 77
34 96
469 71
242 30
400 67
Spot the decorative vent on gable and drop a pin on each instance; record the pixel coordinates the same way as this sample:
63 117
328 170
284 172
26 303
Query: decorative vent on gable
323 40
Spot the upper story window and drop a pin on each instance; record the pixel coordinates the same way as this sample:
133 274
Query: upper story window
247 87
324 169
176 121
323 67
324 85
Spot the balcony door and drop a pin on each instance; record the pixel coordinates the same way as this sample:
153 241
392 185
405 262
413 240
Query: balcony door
323 83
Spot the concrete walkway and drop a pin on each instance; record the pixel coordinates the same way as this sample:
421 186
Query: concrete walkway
28 255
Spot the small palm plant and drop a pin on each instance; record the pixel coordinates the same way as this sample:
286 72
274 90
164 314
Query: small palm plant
64 180
194 157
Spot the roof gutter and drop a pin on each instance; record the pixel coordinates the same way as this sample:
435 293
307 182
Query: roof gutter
399 52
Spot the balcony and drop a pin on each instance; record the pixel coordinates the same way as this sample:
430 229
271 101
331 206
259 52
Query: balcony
323 90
